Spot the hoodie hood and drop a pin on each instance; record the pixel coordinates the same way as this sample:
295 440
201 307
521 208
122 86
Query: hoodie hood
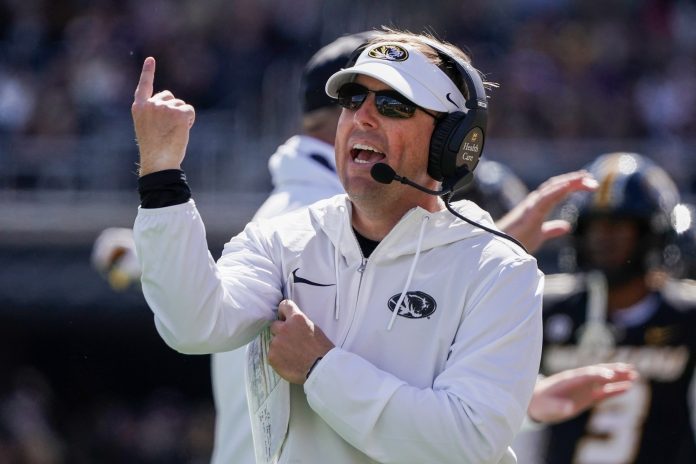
442 228
417 232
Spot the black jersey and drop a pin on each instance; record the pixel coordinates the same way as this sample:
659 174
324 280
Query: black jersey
653 421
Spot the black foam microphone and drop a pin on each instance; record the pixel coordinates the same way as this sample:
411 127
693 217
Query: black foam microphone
384 174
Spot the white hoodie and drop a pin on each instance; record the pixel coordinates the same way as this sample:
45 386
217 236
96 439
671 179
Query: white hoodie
448 381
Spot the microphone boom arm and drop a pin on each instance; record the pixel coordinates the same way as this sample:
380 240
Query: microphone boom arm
384 174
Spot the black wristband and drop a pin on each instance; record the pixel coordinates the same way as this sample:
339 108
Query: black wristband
163 188
314 364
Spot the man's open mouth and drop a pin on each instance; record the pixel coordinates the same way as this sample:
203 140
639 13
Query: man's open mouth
366 154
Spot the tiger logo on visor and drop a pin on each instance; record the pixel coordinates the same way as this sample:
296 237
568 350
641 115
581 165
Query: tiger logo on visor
389 52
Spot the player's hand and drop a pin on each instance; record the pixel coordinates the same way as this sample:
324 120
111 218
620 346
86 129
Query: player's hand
564 395
297 342
527 221
162 124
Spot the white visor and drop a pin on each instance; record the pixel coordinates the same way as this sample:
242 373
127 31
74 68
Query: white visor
405 69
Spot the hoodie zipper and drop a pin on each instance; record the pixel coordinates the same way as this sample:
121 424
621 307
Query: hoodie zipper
361 270
362 266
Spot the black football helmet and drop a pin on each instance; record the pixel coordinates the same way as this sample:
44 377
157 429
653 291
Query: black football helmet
631 187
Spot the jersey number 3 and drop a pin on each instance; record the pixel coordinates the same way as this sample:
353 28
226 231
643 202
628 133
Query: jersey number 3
615 427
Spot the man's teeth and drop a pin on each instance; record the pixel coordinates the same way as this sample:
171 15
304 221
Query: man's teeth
360 146
366 154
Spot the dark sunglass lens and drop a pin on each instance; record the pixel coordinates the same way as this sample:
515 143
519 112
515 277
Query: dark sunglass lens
394 107
351 96
389 103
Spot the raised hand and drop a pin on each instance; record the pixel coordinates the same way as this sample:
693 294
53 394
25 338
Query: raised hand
564 395
162 124
526 221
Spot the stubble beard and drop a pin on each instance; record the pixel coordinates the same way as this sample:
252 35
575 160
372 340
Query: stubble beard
372 197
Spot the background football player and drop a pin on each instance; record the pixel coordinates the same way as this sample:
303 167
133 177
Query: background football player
620 306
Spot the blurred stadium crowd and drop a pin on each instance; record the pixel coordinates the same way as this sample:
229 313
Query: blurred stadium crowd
576 79
567 69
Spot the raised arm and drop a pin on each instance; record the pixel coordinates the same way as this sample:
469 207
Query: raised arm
198 307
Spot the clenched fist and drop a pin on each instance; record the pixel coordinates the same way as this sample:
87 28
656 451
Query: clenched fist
296 344
162 124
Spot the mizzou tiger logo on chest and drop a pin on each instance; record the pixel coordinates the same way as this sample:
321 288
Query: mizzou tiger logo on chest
415 305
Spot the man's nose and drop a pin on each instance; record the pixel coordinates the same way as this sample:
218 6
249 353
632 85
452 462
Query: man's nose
367 114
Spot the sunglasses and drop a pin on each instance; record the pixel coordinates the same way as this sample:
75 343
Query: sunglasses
389 103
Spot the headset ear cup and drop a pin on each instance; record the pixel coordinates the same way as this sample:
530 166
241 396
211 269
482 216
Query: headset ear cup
442 161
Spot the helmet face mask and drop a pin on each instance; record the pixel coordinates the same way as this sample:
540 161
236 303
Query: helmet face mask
623 227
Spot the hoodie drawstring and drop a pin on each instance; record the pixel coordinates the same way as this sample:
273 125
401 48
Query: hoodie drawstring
410 273
337 257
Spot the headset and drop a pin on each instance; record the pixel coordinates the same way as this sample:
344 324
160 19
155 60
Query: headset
458 138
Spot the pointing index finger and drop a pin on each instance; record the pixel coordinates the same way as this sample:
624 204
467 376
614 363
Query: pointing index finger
145 86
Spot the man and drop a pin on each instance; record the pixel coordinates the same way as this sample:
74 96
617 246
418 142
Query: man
621 309
447 381
303 171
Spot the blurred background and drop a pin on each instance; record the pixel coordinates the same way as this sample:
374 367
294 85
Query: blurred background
84 378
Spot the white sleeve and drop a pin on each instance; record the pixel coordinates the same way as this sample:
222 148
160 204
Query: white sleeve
475 406
201 307
529 424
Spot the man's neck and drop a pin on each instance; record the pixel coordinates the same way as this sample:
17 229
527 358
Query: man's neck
374 221
374 225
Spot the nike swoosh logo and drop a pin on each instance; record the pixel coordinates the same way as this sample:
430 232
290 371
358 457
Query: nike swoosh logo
302 280
450 99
